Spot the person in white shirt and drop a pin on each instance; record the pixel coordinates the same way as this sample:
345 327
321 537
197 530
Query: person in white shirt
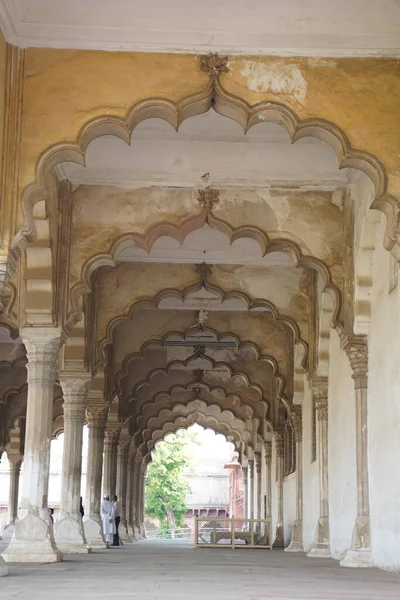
116 541
108 519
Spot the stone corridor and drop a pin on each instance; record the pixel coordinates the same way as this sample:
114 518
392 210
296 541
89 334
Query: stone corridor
151 570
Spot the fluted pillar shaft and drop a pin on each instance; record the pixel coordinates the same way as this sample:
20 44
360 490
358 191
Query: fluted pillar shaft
96 416
268 476
359 554
252 485
33 538
110 460
321 545
279 446
130 499
15 471
122 476
69 531
296 543
245 471
142 492
257 464
136 497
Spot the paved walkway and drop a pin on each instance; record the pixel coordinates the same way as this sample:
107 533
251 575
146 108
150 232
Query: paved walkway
153 570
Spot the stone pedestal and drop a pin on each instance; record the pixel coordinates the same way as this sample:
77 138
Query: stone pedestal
96 416
296 542
359 554
33 539
69 531
15 470
3 567
122 476
321 546
279 537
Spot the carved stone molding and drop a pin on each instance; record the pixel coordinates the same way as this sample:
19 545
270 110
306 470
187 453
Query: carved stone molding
204 270
257 462
75 390
214 65
111 436
123 451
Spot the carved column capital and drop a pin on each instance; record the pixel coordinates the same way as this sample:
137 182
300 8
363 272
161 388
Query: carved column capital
96 415
75 393
123 450
42 346
356 349
279 443
268 452
111 436
296 415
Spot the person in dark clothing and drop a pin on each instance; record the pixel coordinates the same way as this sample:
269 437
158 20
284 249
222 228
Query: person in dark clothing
116 541
81 508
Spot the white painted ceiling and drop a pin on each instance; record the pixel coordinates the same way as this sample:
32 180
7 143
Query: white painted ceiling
209 143
291 27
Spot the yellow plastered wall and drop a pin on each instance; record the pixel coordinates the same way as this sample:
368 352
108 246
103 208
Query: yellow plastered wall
64 89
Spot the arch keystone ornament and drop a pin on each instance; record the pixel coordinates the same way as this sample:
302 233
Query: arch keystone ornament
359 553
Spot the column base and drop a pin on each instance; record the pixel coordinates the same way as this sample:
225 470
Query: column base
359 553
32 541
321 545
123 533
69 535
93 530
279 539
137 534
296 543
142 531
131 533
3 567
8 531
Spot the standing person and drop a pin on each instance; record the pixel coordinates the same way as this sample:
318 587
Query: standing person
108 519
116 541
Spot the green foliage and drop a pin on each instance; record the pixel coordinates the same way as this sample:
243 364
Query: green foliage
166 488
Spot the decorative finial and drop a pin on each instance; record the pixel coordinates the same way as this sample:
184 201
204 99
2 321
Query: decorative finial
207 198
214 65
204 270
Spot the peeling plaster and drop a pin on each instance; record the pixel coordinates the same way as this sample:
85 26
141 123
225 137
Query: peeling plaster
279 78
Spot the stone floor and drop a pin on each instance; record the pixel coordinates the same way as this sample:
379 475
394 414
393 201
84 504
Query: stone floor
153 570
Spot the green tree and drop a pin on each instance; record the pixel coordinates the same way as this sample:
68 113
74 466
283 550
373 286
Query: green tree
166 487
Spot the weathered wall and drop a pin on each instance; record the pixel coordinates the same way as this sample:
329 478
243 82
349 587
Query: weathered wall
289 506
310 473
384 414
342 449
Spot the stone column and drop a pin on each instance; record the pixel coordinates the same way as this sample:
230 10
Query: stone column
268 477
122 476
321 546
130 498
96 417
359 554
245 471
279 445
110 460
296 543
69 531
142 490
33 538
252 484
136 497
15 461
257 464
